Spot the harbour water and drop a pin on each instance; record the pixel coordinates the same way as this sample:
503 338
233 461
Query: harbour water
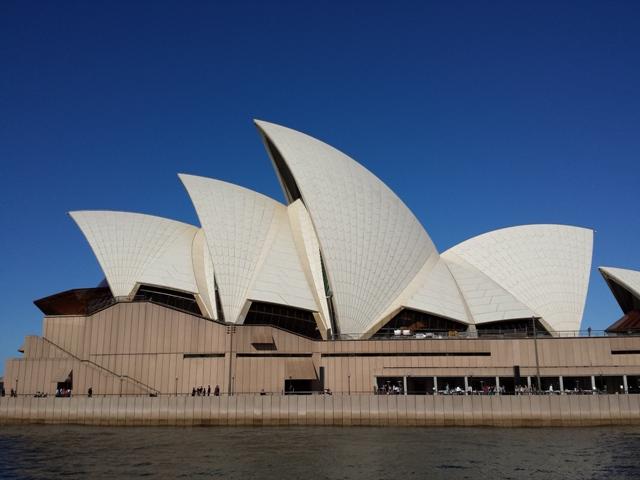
45 452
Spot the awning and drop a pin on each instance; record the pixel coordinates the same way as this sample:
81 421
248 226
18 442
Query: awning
300 369
62 375
262 337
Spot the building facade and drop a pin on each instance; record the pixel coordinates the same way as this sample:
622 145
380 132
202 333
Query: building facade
340 289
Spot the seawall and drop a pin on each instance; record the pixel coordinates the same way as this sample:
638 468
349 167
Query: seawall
397 410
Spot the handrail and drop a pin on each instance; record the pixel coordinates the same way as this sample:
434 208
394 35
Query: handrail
488 334
111 372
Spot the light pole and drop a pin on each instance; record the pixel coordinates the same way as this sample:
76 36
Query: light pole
535 344
230 331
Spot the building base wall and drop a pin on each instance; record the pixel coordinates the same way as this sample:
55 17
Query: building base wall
371 410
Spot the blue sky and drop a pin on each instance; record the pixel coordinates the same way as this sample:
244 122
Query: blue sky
479 115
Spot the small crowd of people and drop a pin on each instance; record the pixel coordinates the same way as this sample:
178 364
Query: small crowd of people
40 394
524 390
388 389
205 392
63 392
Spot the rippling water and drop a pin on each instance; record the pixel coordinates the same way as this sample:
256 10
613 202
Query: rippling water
318 452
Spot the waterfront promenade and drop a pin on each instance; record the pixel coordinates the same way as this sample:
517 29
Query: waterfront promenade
374 410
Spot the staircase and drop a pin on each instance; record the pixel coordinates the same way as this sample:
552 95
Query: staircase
126 378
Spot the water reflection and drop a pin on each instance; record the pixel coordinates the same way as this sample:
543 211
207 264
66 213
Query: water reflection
318 452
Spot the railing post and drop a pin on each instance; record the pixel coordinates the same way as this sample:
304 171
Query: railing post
535 345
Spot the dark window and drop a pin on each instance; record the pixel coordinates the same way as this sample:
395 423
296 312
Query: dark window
389 385
418 322
609 383
288 318
576 384
274 355
633 382
407 354
518 328
171 298
451 385
203 355
419 386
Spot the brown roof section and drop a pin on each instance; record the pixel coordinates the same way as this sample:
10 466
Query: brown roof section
629 322
81 301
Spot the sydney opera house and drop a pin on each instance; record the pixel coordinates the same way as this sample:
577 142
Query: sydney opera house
339 289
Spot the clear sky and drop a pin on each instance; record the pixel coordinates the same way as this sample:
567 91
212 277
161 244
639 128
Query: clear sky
480 115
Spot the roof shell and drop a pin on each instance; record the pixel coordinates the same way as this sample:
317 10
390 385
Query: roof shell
629 280
134 248
486 300
251 246
372 244
545 267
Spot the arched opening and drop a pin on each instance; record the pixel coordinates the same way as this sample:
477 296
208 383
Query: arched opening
171 298
520 328
412 322
295 320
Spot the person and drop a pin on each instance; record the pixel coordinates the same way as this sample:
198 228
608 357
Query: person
90 392
216 391
208 390
193 392
262 392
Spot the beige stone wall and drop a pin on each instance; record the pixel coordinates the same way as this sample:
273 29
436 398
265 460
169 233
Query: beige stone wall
141 347
382 410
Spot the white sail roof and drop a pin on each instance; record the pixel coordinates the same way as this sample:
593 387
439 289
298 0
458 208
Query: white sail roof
134 248
627 279
249 240
485 299
281 278
545 267
309 250
372 245
439 294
